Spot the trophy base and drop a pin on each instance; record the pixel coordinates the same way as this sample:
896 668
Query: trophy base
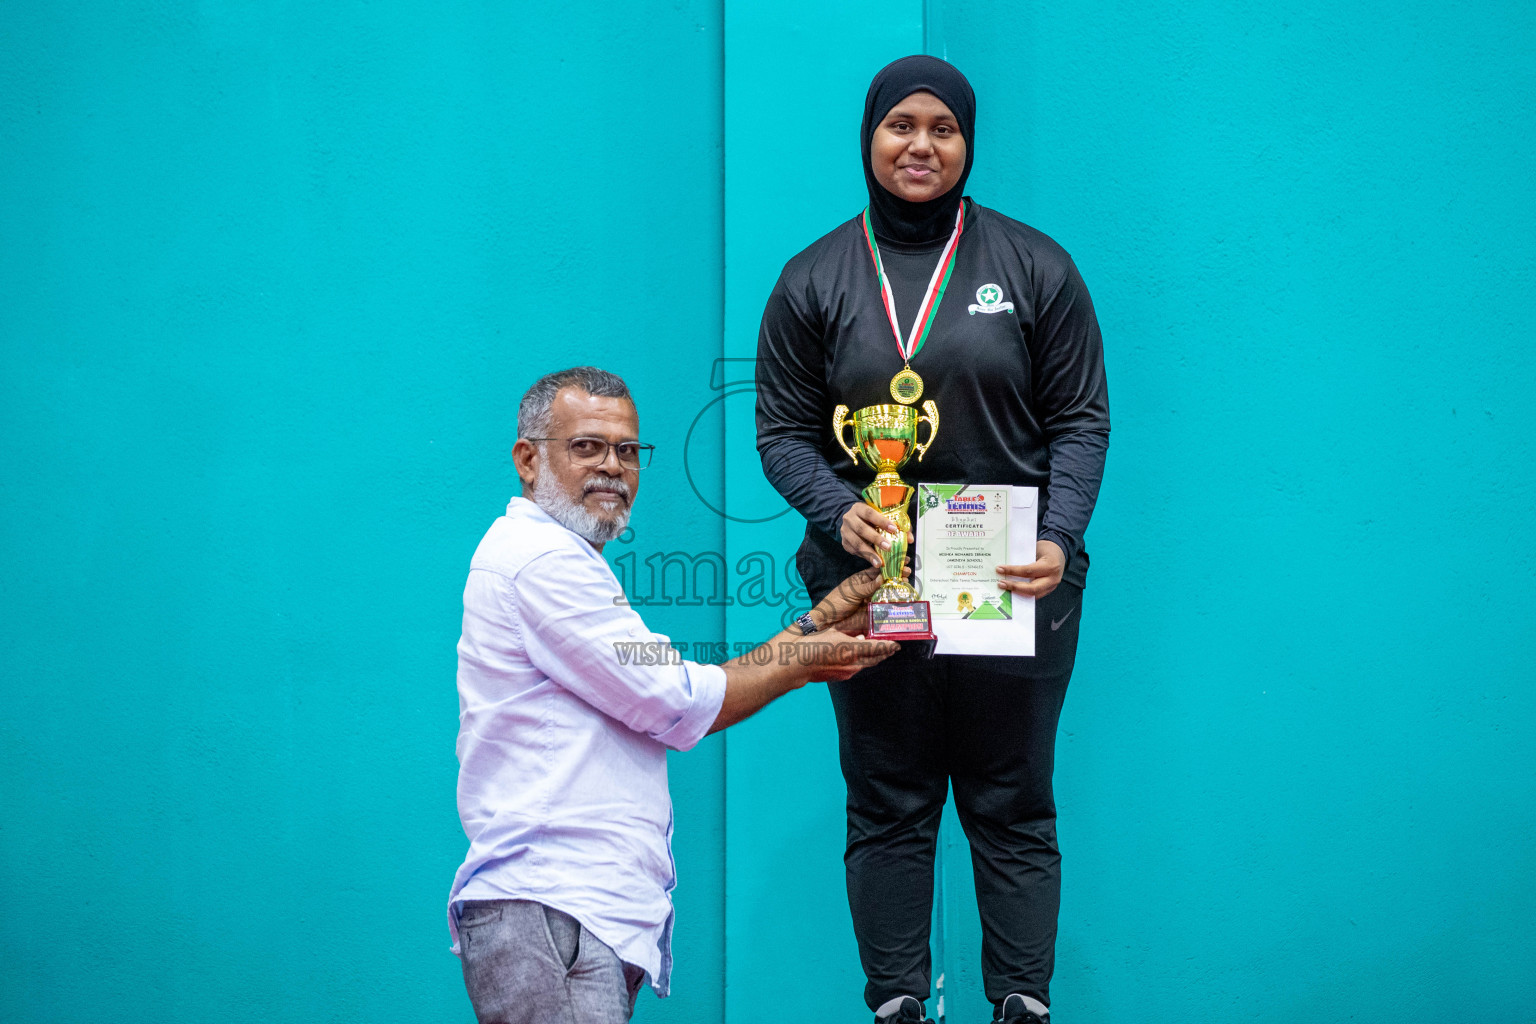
899 620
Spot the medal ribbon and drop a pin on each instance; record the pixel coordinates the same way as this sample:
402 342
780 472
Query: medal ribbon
936 286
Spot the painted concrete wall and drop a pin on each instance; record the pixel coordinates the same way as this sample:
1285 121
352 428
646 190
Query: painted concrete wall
1296 775
1295 769
272 279
784 793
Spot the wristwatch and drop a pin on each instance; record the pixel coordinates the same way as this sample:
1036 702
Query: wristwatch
807 624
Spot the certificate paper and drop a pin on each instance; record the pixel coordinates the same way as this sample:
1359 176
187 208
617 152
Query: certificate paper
963 533
966 535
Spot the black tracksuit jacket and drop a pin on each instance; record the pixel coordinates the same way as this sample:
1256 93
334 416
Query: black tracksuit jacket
1021 395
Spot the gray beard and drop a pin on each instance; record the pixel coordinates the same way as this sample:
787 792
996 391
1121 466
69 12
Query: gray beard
574 516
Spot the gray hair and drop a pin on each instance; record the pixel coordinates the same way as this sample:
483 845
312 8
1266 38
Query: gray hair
533 413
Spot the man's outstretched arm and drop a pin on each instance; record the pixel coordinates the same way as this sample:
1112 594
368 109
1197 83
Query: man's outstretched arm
789 660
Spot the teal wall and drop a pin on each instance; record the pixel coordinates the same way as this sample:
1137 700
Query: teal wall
1297 778
272 280
786 900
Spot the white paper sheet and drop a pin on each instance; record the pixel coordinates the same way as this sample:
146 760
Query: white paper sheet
1015 636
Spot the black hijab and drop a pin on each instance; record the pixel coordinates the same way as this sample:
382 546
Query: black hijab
893 217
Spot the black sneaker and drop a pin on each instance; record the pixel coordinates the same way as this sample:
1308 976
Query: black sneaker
909 1012
1013 1011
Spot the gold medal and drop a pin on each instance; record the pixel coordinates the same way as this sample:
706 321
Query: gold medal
906 386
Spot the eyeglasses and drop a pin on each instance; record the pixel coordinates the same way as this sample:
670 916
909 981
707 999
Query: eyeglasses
593 451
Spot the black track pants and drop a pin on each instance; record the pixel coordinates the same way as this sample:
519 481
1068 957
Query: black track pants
907 729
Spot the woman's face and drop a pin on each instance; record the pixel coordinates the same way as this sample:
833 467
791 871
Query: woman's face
917 151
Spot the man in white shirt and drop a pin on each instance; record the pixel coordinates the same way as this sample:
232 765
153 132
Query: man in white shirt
562 907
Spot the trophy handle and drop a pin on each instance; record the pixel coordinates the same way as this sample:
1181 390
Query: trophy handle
932 419
839 421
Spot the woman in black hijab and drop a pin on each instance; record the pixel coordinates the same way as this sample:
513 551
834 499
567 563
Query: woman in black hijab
1019 377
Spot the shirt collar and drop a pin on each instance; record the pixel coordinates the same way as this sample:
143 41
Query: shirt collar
524 508
520 508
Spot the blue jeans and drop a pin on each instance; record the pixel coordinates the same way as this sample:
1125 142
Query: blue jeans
525 963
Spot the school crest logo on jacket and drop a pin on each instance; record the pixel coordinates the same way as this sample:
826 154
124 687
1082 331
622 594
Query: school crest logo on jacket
989 299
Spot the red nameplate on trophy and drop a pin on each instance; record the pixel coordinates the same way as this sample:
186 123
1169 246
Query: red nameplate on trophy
899 620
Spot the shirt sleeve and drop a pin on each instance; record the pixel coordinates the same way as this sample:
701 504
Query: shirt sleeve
1072 400
793 409
579 631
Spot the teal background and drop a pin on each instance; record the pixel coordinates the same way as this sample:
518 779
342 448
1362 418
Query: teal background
272 280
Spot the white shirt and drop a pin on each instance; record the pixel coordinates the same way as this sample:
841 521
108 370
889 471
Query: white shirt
562 744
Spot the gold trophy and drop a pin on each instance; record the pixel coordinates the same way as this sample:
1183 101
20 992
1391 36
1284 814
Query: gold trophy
885 437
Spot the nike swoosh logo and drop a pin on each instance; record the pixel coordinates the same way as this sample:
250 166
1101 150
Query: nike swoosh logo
1056 623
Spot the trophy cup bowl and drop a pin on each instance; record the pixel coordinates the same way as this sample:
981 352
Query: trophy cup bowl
885 438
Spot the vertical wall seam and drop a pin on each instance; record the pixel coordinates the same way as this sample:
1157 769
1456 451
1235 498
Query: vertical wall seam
725 738
933 29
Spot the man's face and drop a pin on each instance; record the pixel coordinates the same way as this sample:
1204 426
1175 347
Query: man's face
595 500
